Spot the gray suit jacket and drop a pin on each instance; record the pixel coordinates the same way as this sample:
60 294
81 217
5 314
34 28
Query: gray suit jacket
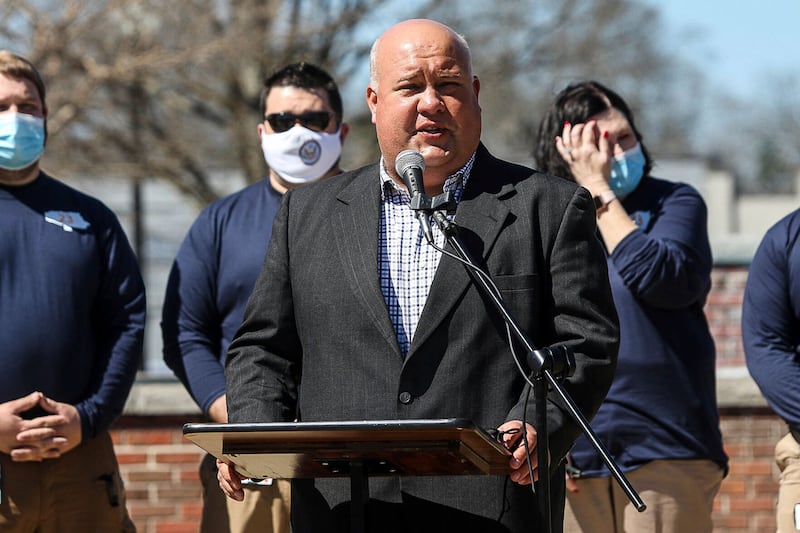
317 317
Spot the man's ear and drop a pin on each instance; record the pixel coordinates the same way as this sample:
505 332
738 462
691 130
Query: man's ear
372 102
344 129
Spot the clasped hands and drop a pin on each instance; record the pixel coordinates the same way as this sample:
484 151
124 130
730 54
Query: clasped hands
44 437
230 481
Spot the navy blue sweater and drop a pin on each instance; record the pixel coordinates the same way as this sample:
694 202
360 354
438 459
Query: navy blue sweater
662 402
211 279
771 318
72 301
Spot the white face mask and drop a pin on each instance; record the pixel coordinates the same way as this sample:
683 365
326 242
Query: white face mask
300 155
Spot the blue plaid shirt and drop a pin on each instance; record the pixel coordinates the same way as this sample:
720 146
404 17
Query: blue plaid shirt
406 263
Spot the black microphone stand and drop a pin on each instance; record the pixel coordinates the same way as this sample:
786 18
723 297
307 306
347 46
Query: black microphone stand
546 364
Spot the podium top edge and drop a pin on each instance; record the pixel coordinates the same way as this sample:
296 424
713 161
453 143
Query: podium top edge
439 423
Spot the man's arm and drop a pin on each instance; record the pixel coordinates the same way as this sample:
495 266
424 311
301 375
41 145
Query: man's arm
583 317
218 412
190 322
770 327
669 267
264 358
119 314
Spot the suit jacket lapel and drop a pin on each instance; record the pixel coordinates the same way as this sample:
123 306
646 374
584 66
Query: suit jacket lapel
357 217
481 219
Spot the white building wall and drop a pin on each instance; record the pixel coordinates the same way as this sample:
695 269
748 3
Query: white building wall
736 224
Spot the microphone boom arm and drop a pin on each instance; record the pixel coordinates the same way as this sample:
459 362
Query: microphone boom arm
543 363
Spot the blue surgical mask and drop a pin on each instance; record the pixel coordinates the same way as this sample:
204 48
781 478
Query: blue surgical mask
21 140
627 171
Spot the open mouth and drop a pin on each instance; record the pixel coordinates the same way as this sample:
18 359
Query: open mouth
431 130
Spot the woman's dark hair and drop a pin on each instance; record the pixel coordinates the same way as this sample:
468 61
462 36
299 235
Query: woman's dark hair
576 104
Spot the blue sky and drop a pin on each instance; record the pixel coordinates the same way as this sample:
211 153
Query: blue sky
738 43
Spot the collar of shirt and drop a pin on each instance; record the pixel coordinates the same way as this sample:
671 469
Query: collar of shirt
454 183
406 263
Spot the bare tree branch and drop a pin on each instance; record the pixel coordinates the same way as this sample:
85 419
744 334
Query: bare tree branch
145 88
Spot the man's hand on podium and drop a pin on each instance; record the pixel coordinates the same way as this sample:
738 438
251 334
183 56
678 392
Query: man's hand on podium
230 481
510 435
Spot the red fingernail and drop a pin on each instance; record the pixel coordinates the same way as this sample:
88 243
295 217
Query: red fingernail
605 135
566 123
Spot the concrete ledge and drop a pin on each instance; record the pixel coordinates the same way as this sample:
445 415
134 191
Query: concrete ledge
735 388
166 396
158 397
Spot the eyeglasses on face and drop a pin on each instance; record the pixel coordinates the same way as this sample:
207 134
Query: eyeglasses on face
313 120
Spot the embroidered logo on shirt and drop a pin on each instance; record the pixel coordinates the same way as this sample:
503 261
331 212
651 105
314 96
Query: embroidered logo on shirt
68 220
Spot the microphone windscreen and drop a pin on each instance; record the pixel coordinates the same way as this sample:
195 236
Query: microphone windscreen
408 159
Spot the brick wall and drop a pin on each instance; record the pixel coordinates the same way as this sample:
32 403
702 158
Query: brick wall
160 472
746 502
160 467
724 313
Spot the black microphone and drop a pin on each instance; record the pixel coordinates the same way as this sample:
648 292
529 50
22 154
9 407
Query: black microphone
410 165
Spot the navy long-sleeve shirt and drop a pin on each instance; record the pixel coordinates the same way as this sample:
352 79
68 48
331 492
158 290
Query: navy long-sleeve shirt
211 279
662 402
72 301
771 318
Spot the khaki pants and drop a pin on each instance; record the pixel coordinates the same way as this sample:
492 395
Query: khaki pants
265 508
78 492
679 496
787 457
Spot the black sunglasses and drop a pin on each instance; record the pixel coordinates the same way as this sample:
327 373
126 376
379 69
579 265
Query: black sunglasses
313 120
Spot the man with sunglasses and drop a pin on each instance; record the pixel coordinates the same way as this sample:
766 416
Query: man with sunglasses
216 268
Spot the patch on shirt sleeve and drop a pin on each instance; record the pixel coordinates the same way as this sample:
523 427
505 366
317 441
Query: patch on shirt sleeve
641 219
68 220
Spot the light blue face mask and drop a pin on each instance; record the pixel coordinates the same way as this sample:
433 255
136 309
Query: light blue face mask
627 171
21 140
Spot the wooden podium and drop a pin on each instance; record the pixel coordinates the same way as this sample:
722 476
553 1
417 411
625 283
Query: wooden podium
354 449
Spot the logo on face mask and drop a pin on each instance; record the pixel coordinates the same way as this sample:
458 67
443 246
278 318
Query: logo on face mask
21 140
310 152
300 155
627 171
